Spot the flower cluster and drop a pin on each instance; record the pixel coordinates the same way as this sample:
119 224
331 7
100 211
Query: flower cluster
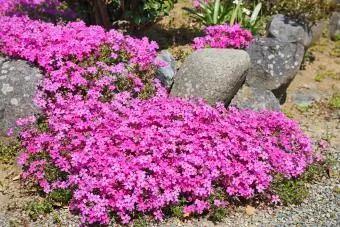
38 9
112 136
224 36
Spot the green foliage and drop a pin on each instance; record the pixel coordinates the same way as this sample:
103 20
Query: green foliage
217 214
294 191
140 222
326 74
36 209
308 58
59 197
225 11
290 191
337 37
288 112
309 11
147 11
107 12
176 210
9 149
335 100
211 13
335 52
303 107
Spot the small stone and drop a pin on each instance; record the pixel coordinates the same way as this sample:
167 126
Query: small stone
166 73
14 101
250 210
334 29
255 99
6 88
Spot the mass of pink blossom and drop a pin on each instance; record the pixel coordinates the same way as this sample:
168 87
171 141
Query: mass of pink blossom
224 36
35 8
121 154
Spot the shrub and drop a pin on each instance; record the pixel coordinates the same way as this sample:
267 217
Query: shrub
299 9
9 149
138 12
113 140
51 10
209 12
35 209
223 36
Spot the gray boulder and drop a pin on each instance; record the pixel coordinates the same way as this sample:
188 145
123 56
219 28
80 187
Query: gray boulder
167 73
289 30
334 28
18 82
212 74
316 31
274 65
255 99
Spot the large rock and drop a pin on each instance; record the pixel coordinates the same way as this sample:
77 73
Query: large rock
317 31
166 73
334 29
255 99
289 30
18 82
274 65
212 74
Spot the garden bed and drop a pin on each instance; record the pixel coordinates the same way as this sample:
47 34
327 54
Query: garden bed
114 147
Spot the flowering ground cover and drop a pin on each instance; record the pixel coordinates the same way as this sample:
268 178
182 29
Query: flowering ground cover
111 136
51 10
223 36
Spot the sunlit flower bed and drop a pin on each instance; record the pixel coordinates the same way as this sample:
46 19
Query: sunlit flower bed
112 135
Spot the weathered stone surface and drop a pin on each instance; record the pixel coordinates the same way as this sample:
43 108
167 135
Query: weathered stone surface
289 30
255 99
18 82
334 28
274 65
212 74
305 97
316 31
167 73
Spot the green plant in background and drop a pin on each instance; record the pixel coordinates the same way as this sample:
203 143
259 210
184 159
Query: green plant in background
36 209
320 76
308 11
303 107
245 17
335 52
9 148
132 13
211 12
335 100
147 11
294 191
221 12
308 58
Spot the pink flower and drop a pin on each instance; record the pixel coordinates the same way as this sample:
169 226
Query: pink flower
10 132
275 199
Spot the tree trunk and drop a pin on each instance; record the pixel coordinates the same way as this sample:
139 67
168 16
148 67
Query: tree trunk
100 13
